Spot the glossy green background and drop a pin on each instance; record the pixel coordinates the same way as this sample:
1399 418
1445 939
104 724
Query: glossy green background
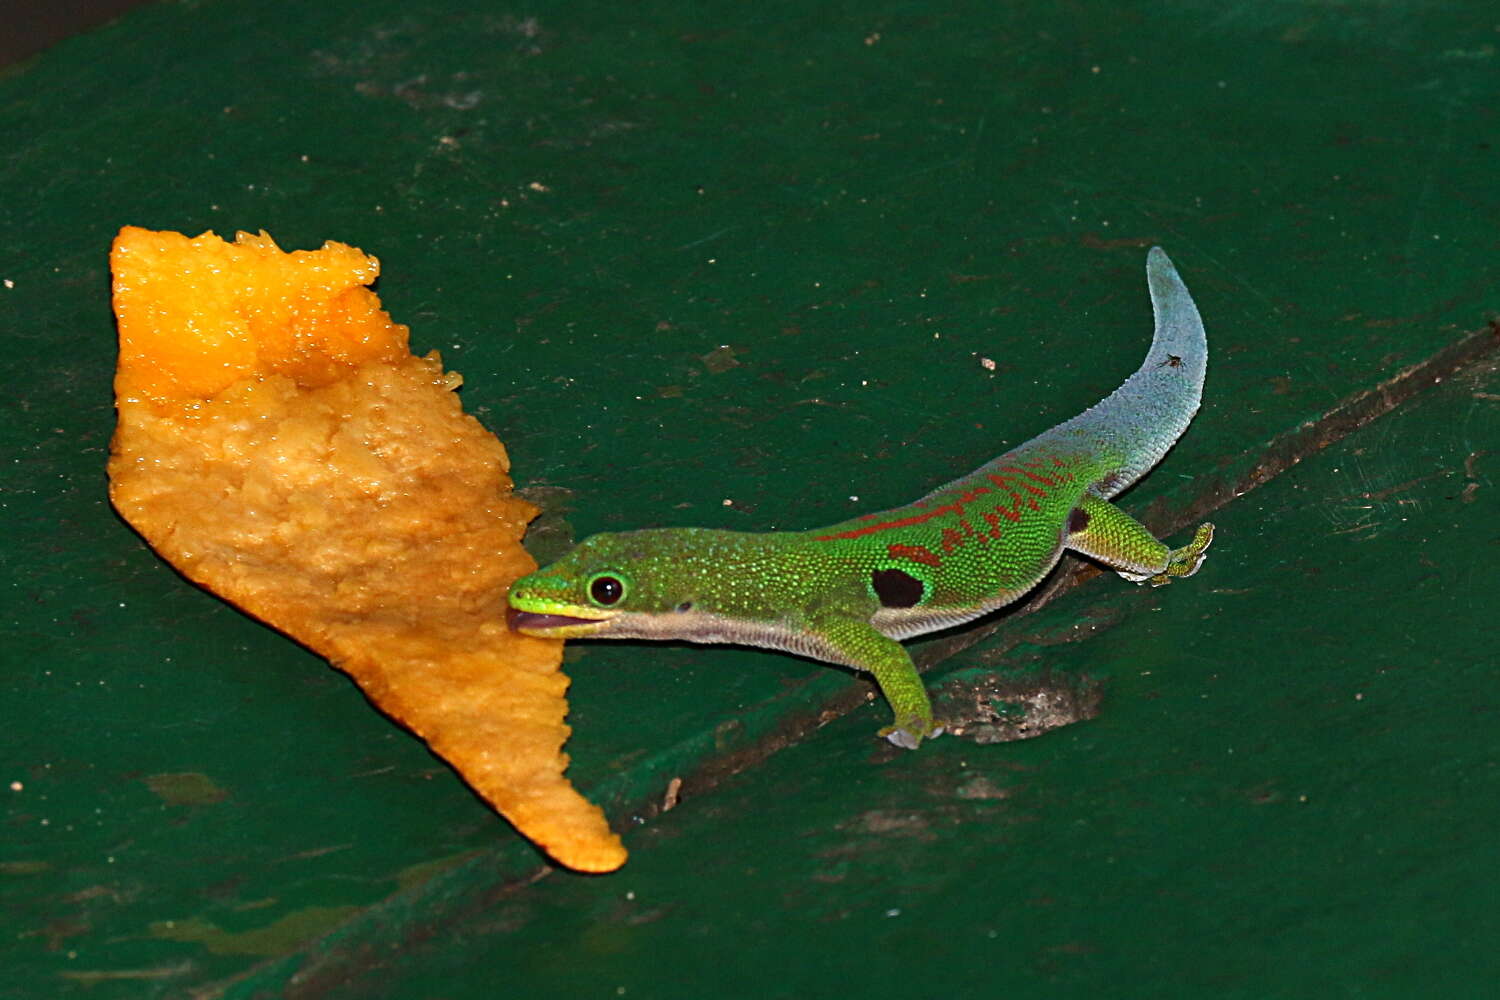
686 255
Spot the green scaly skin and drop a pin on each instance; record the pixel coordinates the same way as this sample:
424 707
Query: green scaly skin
846 593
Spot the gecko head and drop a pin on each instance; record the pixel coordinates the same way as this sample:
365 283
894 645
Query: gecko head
626 584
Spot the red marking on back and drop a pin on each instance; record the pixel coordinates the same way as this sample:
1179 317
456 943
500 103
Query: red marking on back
1019 482
1016 498
956 507
1013 512
916 553
1029 475
969 531
1066 476
967 535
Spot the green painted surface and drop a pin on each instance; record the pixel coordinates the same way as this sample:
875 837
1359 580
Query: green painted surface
1269 803
694 255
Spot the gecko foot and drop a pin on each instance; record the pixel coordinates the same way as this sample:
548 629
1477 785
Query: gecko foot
1185 561
909 733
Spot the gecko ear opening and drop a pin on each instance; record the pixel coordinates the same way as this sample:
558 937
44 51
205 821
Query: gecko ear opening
896 588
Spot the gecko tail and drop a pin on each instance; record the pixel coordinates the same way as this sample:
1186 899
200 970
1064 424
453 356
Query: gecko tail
1138 422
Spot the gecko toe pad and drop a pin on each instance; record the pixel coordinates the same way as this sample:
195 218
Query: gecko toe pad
1184 562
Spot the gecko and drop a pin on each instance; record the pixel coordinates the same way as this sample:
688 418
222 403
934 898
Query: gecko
848 593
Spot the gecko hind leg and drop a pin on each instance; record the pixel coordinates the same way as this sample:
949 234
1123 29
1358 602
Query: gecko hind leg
1103 531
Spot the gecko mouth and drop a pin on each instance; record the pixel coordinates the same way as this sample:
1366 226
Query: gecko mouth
539 623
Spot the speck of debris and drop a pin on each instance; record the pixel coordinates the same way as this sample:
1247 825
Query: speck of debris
720 359
673 796
891 822
186 788
980 788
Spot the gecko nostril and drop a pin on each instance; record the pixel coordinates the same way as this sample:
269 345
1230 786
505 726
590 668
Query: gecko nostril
684 607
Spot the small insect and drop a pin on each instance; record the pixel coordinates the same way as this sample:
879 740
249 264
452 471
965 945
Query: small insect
1173 361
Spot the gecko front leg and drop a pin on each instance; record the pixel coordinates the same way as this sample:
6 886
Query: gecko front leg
857 644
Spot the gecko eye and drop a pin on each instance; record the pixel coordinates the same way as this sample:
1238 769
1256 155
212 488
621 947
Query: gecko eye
606 589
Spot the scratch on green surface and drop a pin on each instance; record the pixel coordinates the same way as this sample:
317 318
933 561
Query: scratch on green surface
273 939
185 788
93 977
414 875
1484 51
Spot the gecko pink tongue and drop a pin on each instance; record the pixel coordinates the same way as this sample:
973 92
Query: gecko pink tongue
531 621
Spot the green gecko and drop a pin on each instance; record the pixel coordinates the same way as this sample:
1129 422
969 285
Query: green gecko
846 593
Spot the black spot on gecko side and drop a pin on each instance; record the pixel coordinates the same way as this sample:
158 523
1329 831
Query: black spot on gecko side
897 588
1078 520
